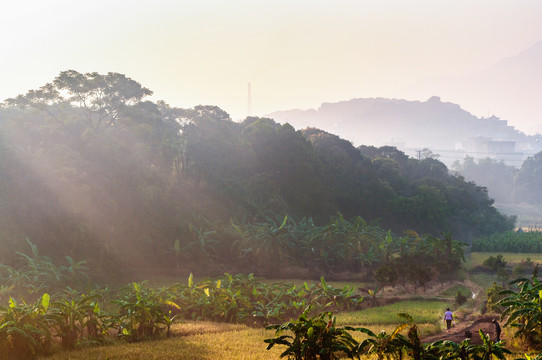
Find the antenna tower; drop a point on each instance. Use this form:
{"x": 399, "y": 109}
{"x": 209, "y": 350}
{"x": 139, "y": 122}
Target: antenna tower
{"x": 249, "y": 104}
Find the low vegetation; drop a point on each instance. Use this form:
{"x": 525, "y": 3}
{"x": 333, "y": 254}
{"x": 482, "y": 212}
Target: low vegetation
{"x": 69, "y": 318}
{"x": 90, "y": 168}
{"x": 136, "y": 312}
{"x": 134, "y": 186}
{"x": 510, "y": 241}
{"x": 318, "y": 337}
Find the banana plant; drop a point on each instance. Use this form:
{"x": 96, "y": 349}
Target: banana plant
{"x": 489, "y": 349}
{"x": 24, "y": 329}
{"x": 315, "y": 337}
{"x": 269, "y": 243}
{"x": 70, "y": 315}
{"x": 142, "y": 311}
{"x": 524, "y": 307}
{"x": 202, "y": 248}
{"x": 75, "y": 270}
{"x": 382, "y": 344}
{"x": 449, "y": 350}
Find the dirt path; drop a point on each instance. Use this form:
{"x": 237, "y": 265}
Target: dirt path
{"x": 466, "y": 323}
{"x": 458, "y": 333}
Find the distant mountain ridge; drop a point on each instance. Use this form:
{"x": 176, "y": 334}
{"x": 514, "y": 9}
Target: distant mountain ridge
{"x": 377, "y": 121}
{"x": 510, "y": 87}
{"x": 406, "y": 124}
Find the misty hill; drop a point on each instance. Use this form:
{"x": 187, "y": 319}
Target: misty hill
{"x": 510, "y": 88}
{"x": 444, "y": 127}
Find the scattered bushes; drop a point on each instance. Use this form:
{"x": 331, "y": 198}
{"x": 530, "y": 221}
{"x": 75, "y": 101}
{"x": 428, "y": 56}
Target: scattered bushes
{"x": 318, "y": 338}
{"x": 495, "y": 263}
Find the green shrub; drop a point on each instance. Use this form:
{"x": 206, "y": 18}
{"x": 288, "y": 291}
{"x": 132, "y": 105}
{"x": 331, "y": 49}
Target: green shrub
{"x": 316, "y": 337}
{"x": 493, "y": 297}
{"x": 495, "y": 263}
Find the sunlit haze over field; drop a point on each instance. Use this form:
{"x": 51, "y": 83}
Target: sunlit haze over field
{"x": 295, "y": 54}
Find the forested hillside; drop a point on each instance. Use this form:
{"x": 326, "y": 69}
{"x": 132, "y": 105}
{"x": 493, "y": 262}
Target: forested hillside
{"x": 433, "y": 123}
{"x": 90, "y": 169}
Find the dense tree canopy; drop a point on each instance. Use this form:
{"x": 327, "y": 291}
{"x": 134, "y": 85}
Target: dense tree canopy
{"x": 90, "y": 169}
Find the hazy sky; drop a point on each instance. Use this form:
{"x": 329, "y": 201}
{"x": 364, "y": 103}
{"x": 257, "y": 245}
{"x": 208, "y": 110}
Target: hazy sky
{"x": 296, "y": 54}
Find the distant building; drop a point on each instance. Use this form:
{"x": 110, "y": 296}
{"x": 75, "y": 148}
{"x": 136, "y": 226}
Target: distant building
{"x": 481, "y": 147}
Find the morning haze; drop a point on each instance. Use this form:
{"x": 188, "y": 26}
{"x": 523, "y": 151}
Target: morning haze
{"x": 296, "y": 54}
{"x": 195, "y": 172}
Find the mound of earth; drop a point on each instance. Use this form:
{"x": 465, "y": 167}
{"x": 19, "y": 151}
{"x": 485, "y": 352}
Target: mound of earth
{"x": 460, "y": 331}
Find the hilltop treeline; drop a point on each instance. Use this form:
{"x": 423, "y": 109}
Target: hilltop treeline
{"x": 90, "y": 169}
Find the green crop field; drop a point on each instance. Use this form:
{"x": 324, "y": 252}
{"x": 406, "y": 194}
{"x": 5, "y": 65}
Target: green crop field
{"x": 421, "y": 311}
{"x": 477, "y": 258}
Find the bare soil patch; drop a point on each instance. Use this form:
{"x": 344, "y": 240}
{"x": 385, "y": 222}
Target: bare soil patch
{"x": 460, "y": 331}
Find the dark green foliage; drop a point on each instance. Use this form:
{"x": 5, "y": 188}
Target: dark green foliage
{"x": 243, "y": 298}
{"x": 142, "y": 312}
{"x": 71, "y": 314}
{"x": 523, "y": 308}
{"x": 495, "y": 263}
{"x": 24, "y": 329}
{"x": 90, "y": 169}
{"x": 344, "y": 245}
{"x": 313, "y": 338}
{"x": 386, "y": 274}
{"x": 494, "y": 295}
{"x": 35, "y": 274}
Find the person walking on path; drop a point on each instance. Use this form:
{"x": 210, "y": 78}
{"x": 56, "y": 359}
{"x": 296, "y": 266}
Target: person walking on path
{"x": 448, "y": 318}
{"x": 497, "y": 331}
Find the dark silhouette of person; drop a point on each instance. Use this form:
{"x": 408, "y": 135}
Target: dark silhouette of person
{"x": 497, "y": 331}
{"x": 448, "y": 317}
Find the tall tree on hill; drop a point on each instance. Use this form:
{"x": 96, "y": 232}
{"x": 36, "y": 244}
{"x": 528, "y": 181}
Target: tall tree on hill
{"x": 100, "y": 98}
